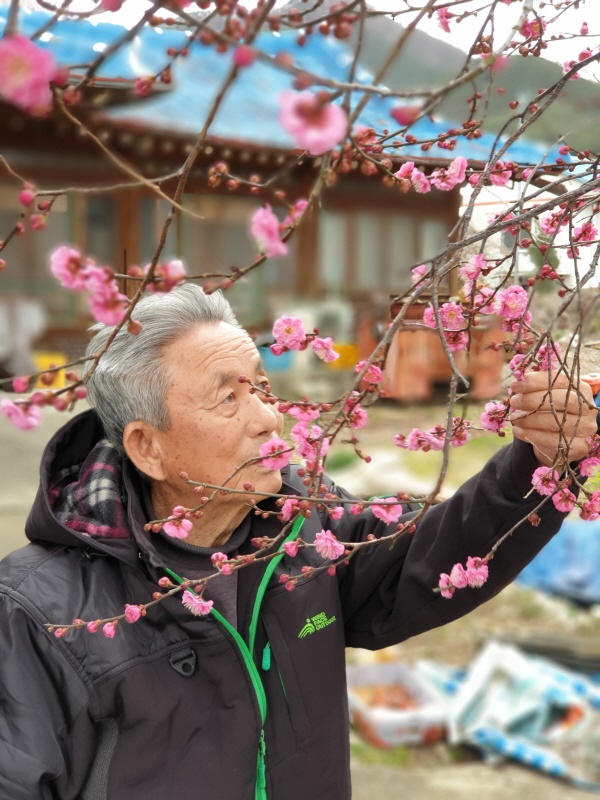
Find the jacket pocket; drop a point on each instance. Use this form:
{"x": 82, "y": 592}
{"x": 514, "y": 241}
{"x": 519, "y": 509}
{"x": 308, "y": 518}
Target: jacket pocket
{"x": 286, "y": 704}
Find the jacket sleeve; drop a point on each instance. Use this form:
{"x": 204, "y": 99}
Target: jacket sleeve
{"x": 387, "y": 592}
{"x": 40, "y": 694}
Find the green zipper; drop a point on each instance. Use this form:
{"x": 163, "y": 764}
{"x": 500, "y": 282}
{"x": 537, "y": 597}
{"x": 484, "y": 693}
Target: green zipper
{"x": 247, "y": 653}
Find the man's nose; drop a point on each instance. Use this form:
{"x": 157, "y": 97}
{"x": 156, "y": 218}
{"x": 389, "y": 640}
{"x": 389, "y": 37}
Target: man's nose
{"x": 264, "y": 417}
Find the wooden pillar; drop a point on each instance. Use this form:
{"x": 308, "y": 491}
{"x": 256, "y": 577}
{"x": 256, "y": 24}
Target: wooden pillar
{"x": 127, "y": 252}
{"x": 306, "y": 282}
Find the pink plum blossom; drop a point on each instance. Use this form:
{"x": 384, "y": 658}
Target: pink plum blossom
{"x": 291, "y": 548}
{"x": 500, "y": 175}
{"x": 408, "y": 175}
{"x": 314, "y": 124}
{"x": 21, "y": 415}
{"x": 417, "y": 273}
{"x": 264, "y": 227}
{"x": 178, "y": 527}
{"x": 303, "y": 413}
{"x": 548, "y": 358}
{"x": 166, "y": 276}
{"x": 447, "y": 178}
{"x": 275, "y": 453}
{"x": 551, "y": 221}
{"x": 419, "y": 440}
{"x": 373, "y": 373}
{"x": 511, "y": 303}
{"x": 327, "y": 546}
{"x": 589, "y": 466}
{"x": 434, "y": 439}
{"x": 443, "y": 19}
{"x": 515, "y": 366}
{"x": 474, "y": 267}
{"x": 196, "y": 604}
{"x": 446, "y": 586}
{"x": 218, "y": 560}
{"x": 458, "y": 576}
{"x": 67, "y": 267}
{"x": 451, "y": 315}
{"x": 289, "y": 332}
{"x": 323, "y": 349}
{"x": 493, "y": 417}
{"x": 419, "y": 182}
{"x": 288, "y": 509}
{"x": 111, "y": 5}
{"x": 295, "y": 212}
{"x": 564, "y": 499}
{"x": 309, "y": 444}
{"x": 477, "y": 572}
{"x": 585, "y": 233}
{"x": 386, "y": 509}
{"x": 532, "y": 28}
{"x": 590, "y": 509}
{"x": 337, "y": 512}
{"x": 456, "y": 340}
{"x": 108, "y": 306}
{"x": 356, "y": 415}
{"x": 26, "y": 72}
{"x": 545, "y": 480}
{"x": 132, "y": 613}
{"x": 460, "y": 433}
{"x": 109, "y": 629}
{"x": 483, "y": 299}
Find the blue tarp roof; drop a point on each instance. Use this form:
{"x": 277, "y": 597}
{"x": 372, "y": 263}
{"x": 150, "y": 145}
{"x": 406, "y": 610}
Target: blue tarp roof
{"x": 250, "y": 110}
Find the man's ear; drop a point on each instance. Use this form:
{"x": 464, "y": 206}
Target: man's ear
{"x": 140, "y": 440}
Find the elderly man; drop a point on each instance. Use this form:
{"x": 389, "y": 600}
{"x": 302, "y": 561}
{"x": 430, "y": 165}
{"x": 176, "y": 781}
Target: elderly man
{"x": 249, "y": 700}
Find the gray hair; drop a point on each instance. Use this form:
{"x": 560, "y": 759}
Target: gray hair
{"x": 131, "y": 380}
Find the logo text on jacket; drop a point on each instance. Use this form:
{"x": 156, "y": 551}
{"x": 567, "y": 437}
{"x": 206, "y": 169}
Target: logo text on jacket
{"x": 316, "y": 623}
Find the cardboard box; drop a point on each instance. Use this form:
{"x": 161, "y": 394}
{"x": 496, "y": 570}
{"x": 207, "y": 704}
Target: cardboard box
{"x": 389, "y": 706}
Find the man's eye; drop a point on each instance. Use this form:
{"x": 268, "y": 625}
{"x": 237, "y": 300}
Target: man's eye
{"x": 230, "y": 398}
{"x": 263, "y": 384}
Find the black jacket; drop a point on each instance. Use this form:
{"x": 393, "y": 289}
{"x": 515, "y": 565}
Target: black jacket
{"x": 183, "y": 706}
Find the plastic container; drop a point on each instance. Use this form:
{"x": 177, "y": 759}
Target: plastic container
{"x": 389, "y": 706}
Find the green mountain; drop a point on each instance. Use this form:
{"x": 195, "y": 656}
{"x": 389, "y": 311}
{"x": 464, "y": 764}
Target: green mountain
{"x": 426, "y": 64}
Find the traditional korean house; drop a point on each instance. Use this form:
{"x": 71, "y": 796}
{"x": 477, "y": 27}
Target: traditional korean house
{"x": 345, "y": 262}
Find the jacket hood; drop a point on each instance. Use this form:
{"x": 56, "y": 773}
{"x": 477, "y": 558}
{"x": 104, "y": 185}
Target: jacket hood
{"x": 64, "y": 483}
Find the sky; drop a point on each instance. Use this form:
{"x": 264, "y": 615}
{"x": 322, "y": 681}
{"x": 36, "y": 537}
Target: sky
{"x": 462, "y": 33}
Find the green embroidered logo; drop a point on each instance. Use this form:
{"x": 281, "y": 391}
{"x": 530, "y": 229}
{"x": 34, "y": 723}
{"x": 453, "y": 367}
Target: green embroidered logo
{"x": 316, "y": 623}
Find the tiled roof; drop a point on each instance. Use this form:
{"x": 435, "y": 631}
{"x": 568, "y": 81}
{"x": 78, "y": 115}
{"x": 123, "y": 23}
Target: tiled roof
{"x": 249, "y": 112}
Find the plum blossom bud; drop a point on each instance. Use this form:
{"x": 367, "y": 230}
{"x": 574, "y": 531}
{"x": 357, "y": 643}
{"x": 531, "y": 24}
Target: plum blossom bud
{"x": 21, "y": 383}
{"x": 109, "y": 629}
{"x": 27, "y": 194}
{"x": 244, "y": 56}
{"x": 132, "y": 613}
{"x": 93, "y": 626}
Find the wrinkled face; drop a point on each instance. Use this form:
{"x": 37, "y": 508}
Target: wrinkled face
{"x": 217, "y": 424}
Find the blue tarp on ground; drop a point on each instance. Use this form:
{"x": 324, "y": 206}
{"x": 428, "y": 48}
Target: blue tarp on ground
{"x": 569, "y": 565}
